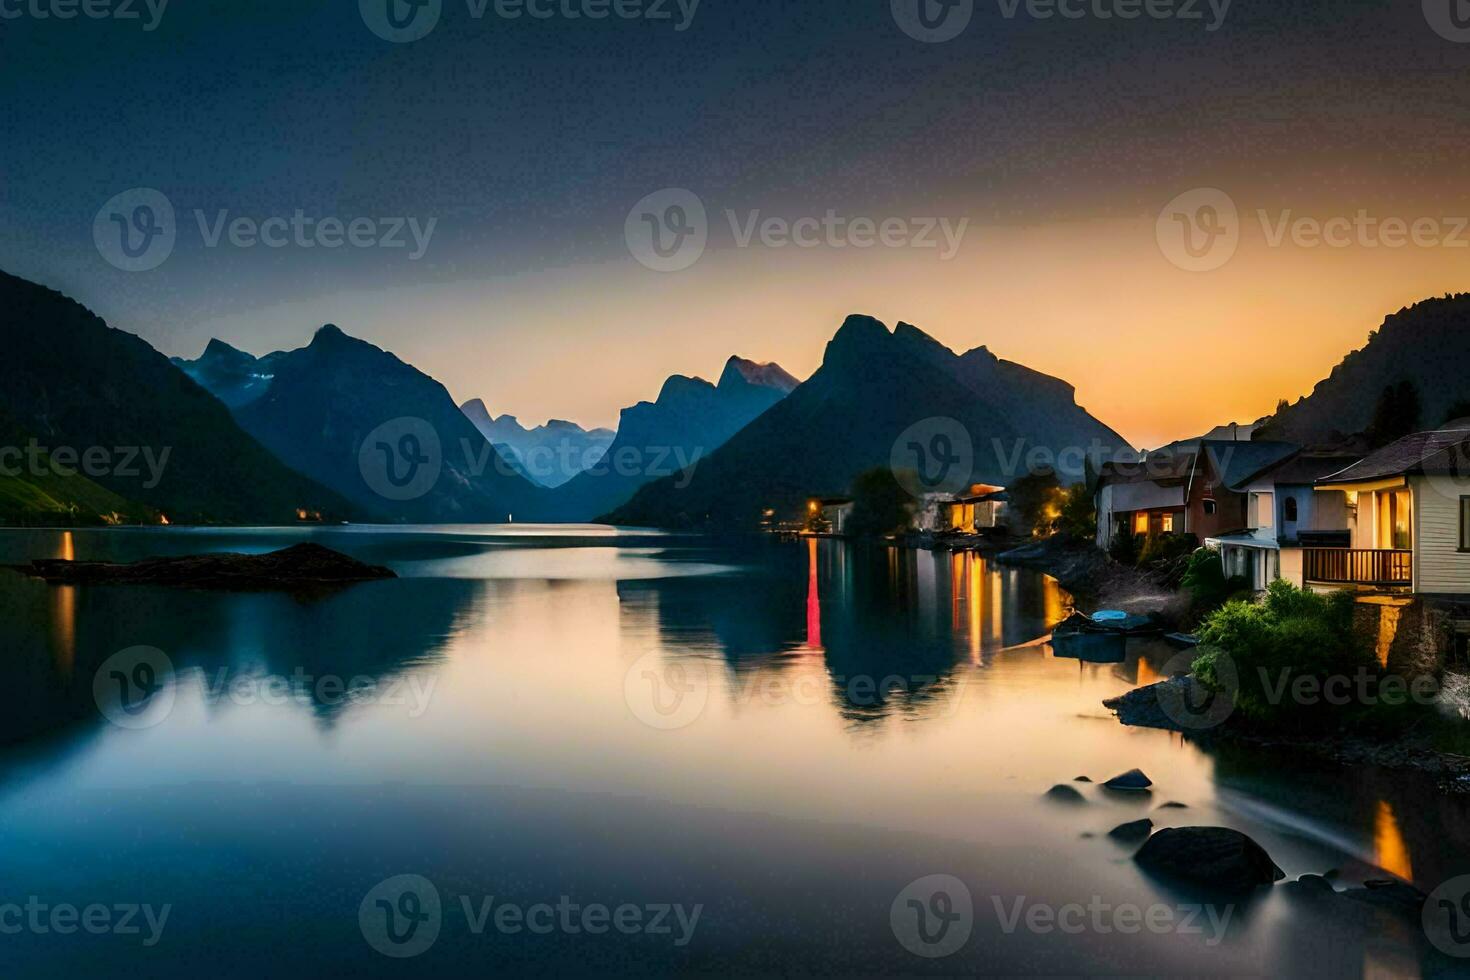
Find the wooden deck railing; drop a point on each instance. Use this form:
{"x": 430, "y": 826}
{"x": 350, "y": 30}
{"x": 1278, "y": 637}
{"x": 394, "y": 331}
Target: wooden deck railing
{"x": 1358, "y": 566}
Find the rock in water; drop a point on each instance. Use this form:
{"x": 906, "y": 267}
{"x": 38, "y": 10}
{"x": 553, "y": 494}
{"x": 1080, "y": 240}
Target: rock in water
{"x": 1213, "y": 857}
{"x": 1392, "y": 896}
{"x": 1081, "y": 779}
{"x": 1062, "y": 793}
{"x": 1133, "y": 779}
{"x": 299, "y": 566}
{"x": 1134, "y": 830}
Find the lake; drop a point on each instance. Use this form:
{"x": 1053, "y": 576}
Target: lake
{"x": 547, "y": 750}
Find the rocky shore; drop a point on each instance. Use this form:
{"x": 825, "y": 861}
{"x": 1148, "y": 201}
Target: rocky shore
{"x": 1143, "y": 707}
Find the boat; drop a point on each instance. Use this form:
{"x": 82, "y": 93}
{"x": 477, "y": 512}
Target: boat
{"x": 1080, "y": 638}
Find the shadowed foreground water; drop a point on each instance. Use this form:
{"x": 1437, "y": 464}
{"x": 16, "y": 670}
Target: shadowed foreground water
{"x": 631, "y": 754}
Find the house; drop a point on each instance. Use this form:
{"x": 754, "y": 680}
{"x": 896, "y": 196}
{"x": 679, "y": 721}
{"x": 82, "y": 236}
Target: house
{"x": 978, "y": 509}
{"x": 828, "y": 514}
{"x": 1408, "y": 507}
{"x": 1285, "y": 513}
{"x": 1188, "y": 488}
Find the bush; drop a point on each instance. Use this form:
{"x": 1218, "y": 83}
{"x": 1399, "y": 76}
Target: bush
{"x": 1124, "y": 548}
{"x": 1287, "y": 634}
{"x": 1166, "y": 547}
{"x": 879, "y": 504}
{"x": 1077, "y": 513}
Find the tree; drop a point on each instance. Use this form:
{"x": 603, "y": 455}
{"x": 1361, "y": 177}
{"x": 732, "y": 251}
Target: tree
{"x": 879, "y": 504}
{"x": 1396, "y": 414}
{"x": 1032, "y": 503}
{"x": 1077, "y": 512}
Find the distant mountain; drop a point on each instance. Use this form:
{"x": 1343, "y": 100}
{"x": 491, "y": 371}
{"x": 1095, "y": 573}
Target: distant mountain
{"x": 1427, "y": 344}
{"x": 139, "y": 428}
{"x": 873, "y": 386}
{"x": 548, "y": 455}
{"x": 355, "y": 417}
{"x": 233, "y": 376}
{"x": 690, "y": 419}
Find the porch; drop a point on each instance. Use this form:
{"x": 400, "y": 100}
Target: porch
{"x": 1373, "y": 567}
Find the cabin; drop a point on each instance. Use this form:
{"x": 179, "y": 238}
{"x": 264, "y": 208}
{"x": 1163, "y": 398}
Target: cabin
{"x": 1184, "y": 489}
{"x": 979, "y": 509}
{"x": 1408, "y": 519}
{"x": 1285, "y": 514}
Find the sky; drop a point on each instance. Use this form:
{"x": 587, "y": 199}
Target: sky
{"x": 1033, "y": 178}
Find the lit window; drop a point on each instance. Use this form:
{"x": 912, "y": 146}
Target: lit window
{"x": 1140, "y": 523}
{"x": 1168, "y": 523}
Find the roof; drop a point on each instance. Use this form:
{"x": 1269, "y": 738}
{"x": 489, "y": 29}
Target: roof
{"x": 1305, "y": 468}
{"x": 976, "y": 498}
{"x": 1440, "y": 452}
{"x": 1238, "y": 462}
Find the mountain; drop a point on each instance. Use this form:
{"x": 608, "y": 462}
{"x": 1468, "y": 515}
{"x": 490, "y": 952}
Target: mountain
{"x": 137, "y": 425}
{"x": 233, "y": 376}
{"x": 690, "y": 419}
{"x": 874, "y": 386}
{"x": 1427, "y": 345}
{"x": 384, "y": 435}
{"x": 548, "y": 455}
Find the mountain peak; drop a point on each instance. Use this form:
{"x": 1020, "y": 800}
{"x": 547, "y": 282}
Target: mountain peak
{"x": 769, "y": 374}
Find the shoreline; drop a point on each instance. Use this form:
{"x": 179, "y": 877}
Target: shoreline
{"x": 1140, "y": 708}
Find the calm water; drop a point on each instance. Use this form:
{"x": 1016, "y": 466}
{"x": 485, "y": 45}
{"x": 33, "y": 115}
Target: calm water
{"x": 784, "y": 736}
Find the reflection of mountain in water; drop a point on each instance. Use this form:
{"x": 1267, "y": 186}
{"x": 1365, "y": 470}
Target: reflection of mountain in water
{"x": 889, "y": 624}
{"x": 56, "y": 638}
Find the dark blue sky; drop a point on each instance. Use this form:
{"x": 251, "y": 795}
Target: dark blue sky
{"x": 528, "y": 140}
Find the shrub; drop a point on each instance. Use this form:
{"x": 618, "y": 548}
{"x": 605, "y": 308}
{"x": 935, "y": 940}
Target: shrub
{"x": 1287, "y": 634}
{"x": 1124, "y": 548}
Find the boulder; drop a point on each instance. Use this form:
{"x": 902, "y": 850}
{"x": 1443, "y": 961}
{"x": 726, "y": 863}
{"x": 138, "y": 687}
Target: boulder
{"x": 1392, "y": 896}
{"x": 1212, "y": 857}
{"x": 1173, "y": 805}
{"x": 1132, "y": 781}
{"x": 1081, "y": 779}
{"x": 1062, "y": 793}
{"x": 1132, "y": 831}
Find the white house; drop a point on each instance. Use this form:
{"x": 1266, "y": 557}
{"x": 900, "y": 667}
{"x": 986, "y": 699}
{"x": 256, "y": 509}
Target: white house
{"x": 1408, "y": 507}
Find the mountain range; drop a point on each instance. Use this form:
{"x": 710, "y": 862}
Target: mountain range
{"x": 1426, "y": 345}
{"x": 690, "y": 419}
{"x": 107, "y": 406}
{"x": 874, "y": 386}
{"x": 548, "y": 455}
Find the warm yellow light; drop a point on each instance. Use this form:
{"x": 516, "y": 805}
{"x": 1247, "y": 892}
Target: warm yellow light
{"x": 812, "y": 506}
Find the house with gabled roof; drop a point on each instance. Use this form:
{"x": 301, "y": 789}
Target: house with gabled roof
{"x": 1408, "y": 518}
{"x": 1189, "y": 488}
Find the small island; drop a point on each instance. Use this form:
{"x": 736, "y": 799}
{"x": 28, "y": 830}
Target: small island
{"x": 299, "y": 566}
